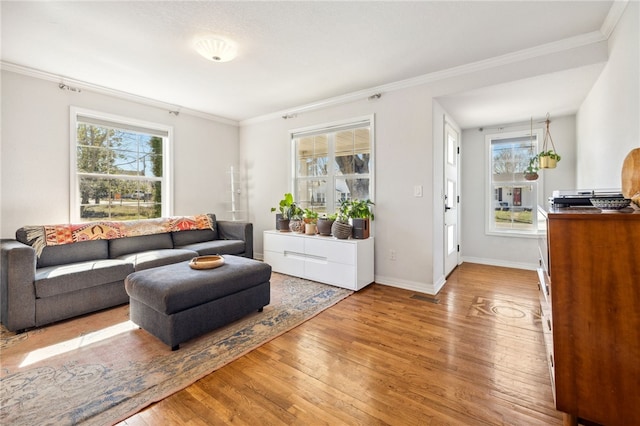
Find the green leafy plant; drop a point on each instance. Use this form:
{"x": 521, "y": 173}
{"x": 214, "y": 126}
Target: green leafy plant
{"x": 287, "y": 207}
{"x": 533, "y": 166}
{"x": 310, "y": 216}
{"x": 355, "y": 209}
{"x": 551, "y": 154}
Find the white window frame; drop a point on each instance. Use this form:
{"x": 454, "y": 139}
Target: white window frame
{"x": 127, "y": 123}
{"x": 362, "y": 121}
{"x": 538, "y": 184}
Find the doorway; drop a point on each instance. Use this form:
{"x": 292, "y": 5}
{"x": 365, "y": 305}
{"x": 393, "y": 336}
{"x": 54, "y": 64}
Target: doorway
{"x": 451, "y": 197}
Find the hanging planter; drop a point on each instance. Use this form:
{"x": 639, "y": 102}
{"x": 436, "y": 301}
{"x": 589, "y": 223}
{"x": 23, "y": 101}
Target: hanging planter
{"x": 548, "y": 158}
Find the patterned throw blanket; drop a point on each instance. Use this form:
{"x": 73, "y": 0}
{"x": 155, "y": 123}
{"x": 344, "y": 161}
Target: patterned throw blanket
{"x": 40, "y": 237}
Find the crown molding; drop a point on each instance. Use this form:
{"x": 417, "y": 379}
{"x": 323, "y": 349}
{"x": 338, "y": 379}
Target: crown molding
{"x": 614, "y": 15}
{"x": 509, "y": 58}
{"x": 83, "y": 85}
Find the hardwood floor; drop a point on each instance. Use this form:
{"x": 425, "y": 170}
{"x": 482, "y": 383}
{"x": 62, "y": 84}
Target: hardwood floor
{"x": 473, "y": 356}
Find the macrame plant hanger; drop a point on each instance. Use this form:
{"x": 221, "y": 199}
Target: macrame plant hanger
{"x": 548, "y": 158}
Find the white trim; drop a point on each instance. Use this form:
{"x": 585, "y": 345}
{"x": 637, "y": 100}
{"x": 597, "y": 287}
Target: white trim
{"x": 488, "y": 193}
{"x": 509, "y": 58}
{"x": 614, "y": 15}
{"x": 502, "y": 263}
{"x": 59, "y": 79}
{"x": 428, "y": 288}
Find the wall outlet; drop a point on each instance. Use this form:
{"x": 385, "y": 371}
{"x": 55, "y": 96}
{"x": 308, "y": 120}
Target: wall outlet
{"x": 392, "y": 255}
{"x": 417, "y": 191}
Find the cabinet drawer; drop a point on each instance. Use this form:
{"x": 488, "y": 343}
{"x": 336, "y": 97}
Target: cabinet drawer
{"x": 331, "y": 250}
{"x": 285, "y": 264}
{"x": 331, "y": 273}
{"x": 281, "y": 243}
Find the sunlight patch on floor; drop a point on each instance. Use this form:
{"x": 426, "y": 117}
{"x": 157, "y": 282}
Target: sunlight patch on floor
{"x": 76, "y": 343}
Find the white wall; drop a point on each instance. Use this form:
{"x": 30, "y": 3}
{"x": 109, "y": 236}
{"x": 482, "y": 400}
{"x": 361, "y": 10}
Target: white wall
{"x": 35, "y": 152}
{"x": 403, "y": 159}
{"x": 510, "y": 251}
{"x": 608, "y": 122}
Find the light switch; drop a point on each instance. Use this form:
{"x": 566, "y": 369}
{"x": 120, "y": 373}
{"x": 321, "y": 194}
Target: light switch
{"x": 417, "y": 191}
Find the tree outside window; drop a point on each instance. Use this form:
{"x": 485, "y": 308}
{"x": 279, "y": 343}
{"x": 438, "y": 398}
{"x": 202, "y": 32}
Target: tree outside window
{"x": 332, "y": 165}
{"x": 119, "y": 170}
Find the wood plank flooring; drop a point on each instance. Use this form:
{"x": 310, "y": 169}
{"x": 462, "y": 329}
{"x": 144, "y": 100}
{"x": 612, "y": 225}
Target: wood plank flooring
{"x": 474, "y": 355}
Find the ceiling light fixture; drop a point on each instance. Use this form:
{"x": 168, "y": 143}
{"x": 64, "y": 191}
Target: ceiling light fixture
{"x": 216, "y": 49}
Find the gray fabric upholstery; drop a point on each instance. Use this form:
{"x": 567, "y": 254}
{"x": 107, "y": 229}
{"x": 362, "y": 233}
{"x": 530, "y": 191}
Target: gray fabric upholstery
{"x": 122, "y": 246}
{"x": 217, "y": 247}
{"x": 55, "y": 280}
{"x": 68, "y": 253}
{"x": 17, "y": 292}
{"x": 228, "y": 230}
{"x": 74, "y": 279}
{"x": 190, "y": 323}
{"x": 155, "y": 258}
{"x": 177, "y": 287}
{"x": 176, "y": 303}
{"x": 69, "y": 305}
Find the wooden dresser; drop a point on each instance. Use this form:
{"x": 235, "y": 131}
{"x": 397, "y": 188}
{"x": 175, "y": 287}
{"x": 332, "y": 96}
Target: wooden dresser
{"x": 594, "y": 288}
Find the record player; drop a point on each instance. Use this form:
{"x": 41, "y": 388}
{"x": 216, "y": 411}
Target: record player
{"x": 582, "y": 197}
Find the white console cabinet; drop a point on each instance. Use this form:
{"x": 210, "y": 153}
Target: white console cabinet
{"x": 343, "y": 263}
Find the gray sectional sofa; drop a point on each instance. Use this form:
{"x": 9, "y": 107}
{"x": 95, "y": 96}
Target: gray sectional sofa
{"x": 74, "y": 279}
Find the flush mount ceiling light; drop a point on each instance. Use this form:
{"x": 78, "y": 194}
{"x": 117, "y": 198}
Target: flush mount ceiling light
{"x": 216, "y": 49}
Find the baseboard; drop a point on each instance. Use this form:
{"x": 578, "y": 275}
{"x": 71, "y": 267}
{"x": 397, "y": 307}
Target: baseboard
{"x": 427, "y": 288}
{"x": 503, "y": 263}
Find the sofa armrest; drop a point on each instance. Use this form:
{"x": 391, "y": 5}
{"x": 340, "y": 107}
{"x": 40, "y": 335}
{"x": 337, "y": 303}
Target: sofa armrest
{"x": 231, "y": 230}
{"x": 17, "y": 289}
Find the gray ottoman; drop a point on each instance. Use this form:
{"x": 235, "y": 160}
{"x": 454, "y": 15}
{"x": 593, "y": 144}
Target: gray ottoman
{"x": 176, "y": 303}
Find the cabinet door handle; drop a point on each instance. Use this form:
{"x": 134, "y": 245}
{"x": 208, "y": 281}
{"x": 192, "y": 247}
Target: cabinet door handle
{"x": 549, "y": 324}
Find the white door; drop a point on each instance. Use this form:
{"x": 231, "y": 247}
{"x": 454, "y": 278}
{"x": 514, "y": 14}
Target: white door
{"x": 451, "y": 197}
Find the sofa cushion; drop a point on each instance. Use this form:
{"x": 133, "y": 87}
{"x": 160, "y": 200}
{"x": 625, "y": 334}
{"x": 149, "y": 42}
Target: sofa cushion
{"x": 121, "y": 246}
{"x": 68, "y": 253}
{"x": 217, "y": 247}
{"x": 54, "y": 280}
{"x": 183, "y": 238}
{"x": 154, "y": 258}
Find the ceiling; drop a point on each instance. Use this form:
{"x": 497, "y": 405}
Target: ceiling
{"x": 295, "y": 53}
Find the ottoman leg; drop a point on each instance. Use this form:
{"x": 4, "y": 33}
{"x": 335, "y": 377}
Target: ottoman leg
{"x": 175, "y": 347}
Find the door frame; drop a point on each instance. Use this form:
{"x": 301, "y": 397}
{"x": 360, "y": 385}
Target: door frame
{"x": 450, "y": 262}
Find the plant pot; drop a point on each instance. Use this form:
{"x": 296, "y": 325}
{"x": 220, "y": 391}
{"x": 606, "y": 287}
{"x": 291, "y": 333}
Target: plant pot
{"x": 296, "y": 225}
{"x": 360, "y": 228}
{"x": 310, "y": 228}
{"x": 283, "y": 225}
{"x": 531, "y": 176}
{"x": 341, "y": 230}
{"x": 548, "y": 162}
{"x": 324, "y": 226}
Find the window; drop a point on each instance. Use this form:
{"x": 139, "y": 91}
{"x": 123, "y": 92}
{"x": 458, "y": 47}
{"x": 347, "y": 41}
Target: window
{"x": 119, "y": 167}
{"x": 333, "y": 163}
{"x": 513, "y": 200}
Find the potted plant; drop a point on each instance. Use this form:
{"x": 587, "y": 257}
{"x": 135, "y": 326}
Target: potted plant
{"x": 324, "y": 224}
{"x": 548, "y": 159}
{"x": 296, "y": 222}
{"x": 286, "y": 208}
{"x": 360, "y": 215}
{"x": 341, "y": 228}
{"x": 531, "y": 172}
{"x": 310, "y": 221}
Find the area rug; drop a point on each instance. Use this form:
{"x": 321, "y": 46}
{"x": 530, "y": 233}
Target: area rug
{"x": 100, "y": 369}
